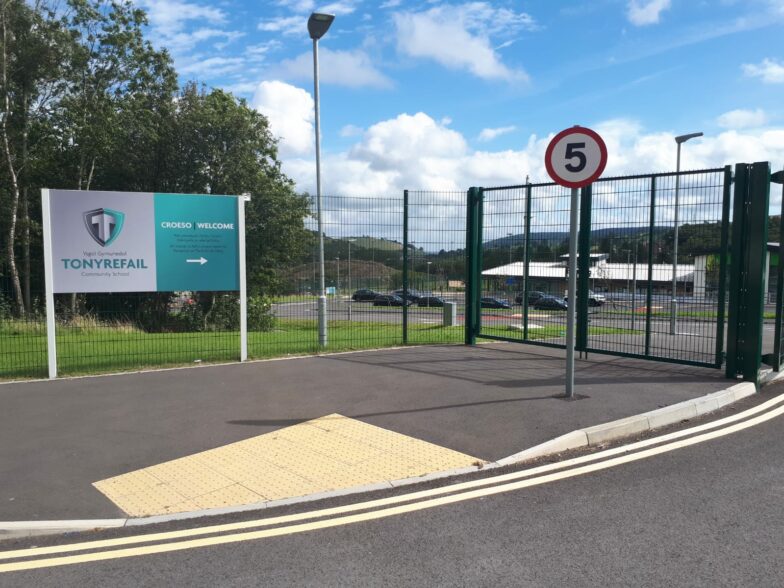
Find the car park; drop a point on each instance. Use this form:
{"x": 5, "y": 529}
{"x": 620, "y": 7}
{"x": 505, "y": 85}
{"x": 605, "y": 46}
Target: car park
{"x": 532, "y": 297}
{"x": 494, "y": 303}
{"x": 389, "y": 300}
{"x": 430, "y": 301}
{"x": 364, "y": 295}
{"x": 550, "y": 303}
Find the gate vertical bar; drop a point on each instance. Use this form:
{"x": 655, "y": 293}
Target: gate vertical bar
{"x": 583, "y": 267}
{"x": 526, "y": 259}
{"x": 649, "y": 290}
{"x": 756, "y": 258}
{"x": 723, "y": 259}
{"x": 480, "y": 223}
{"x": 736, "y": 269}
{"x": 405, "y": 267}
{"x": 472, "y": 267}
{"x": 779, "y": 177}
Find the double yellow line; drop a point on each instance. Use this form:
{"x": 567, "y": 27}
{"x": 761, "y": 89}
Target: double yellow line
{"x": 154, "y": 543}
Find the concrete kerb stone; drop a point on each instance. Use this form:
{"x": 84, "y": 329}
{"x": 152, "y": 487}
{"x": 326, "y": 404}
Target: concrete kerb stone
{"x": 573, "y": 440}
{"x": 647, "y": 421}
{"x": 15, "y": 529}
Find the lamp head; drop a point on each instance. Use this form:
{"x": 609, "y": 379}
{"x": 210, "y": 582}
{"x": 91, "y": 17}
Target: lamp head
{"x": 683, "y": 138}
{"x": 318, "y": 24}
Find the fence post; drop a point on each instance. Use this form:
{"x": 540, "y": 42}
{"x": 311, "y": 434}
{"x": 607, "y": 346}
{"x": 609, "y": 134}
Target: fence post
{"x": 736, "y": 265}
{"x": 649, "y": 291}
{"x": 526, "y": 259}
{"x": 747, "y": 270}
{"x": 756, "y": 258}
{"x": 583, "y": 268}
{"x": 405, "y": 267}
{"x": 473, "y": 264}
{"x": 778, "y": 178}
{"x": 723, "y": 261}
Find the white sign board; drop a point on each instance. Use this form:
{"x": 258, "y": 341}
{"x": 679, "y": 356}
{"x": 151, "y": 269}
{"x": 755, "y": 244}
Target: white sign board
{"x": 576, "y": 157}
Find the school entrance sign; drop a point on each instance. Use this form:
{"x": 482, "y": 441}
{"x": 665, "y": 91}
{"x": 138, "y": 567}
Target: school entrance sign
{"x": 116, "y": 242}
{"x": 143, "y": 242}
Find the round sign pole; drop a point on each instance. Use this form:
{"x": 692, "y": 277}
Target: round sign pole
{"x": 572, "y": 296}
{"x": 574, "y": 158}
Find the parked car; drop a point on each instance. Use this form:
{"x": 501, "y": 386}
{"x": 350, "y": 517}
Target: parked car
{"x": 550, "y": 303}
{"x": 364, "y": 295}
{"x": 594, "y": 299}
{"x": 430, "y": 301}
{"x": 412, "y": 295}
{"x": 494, "y": 303}
{"x": 532, "y": 297}
{"x": 389, "y": 300}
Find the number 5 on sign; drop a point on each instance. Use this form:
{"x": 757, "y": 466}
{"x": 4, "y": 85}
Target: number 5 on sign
{"x": 576, "y": 157}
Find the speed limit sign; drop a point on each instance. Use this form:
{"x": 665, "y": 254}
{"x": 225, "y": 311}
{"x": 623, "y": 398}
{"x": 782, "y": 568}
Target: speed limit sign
{"x": 576, "y": 157}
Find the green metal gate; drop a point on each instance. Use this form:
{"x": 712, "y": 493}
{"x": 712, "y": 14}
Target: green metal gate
{"x": 517, "y": 242}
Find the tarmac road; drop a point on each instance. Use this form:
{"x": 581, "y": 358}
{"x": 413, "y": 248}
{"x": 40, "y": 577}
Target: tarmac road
{"x": 704, "y": 515}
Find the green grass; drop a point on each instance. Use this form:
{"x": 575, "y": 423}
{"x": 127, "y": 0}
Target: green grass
{"x": 106, "y": 349}
{"x": 91, "y": 348}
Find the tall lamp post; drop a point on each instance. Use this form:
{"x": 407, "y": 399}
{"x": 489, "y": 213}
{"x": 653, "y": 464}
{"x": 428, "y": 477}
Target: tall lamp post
{"x": 318, "y": 25}
{"x": 680, "y": 140}
{"x": 428, "y": 276}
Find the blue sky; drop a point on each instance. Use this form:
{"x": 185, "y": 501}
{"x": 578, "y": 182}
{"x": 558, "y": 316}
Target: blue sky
{"x": 424, "y": 94}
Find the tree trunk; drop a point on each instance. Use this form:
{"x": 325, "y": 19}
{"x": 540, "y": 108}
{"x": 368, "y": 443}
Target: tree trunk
{"x": 14, "y": 208}
{"x": 28, "y": 299}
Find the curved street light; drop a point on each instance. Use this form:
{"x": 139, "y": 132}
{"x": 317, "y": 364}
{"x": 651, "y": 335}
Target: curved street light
{"x": 318, "y": 25}
{"x": 680, "y": 140}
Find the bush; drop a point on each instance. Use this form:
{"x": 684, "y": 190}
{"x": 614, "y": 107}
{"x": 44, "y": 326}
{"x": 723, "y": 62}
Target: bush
{"x": 260, "y": 315}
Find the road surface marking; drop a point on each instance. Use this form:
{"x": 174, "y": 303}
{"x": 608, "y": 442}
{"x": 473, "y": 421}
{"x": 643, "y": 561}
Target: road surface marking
{"x": 378, "y": 514}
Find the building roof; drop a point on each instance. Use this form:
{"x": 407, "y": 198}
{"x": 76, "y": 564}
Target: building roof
{"x": 607, "y": 271}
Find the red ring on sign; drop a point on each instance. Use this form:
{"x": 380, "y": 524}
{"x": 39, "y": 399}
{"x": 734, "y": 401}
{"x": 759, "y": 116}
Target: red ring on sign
{"x": 571, "y": 131}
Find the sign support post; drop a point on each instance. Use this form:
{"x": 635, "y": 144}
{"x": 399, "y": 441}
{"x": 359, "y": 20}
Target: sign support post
{"x": 243, "y": 282}
{"x": 51, "y": 332}
{"x": 574, "y": 158}
{"x": 572, "y": 295}
{"x": 118, "y": 242}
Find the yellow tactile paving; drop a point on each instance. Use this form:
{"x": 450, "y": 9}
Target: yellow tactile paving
{"x": 329, "y": 453}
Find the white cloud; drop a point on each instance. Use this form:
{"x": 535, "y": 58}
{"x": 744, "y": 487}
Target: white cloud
{"x": 353, "y": 69}
{"x": 170, "y": 20}
{"x": 351, "y": 131}
{"x": 769, "y": 71}
{"x": 490, "y": 134}
{"x": 297, "y": 5}
{"x": 286, "y": 25}
{"x": 290, "y": 113}
{"x": 213, "y": 66}
{"x": 458, "y": 37}
{"x": 742, "y": 119}
{"x": 417, "y": 152}
{"x": 646, "y": 12}
{"x": 170, "y": 15}
{"x": 339, "y": 8}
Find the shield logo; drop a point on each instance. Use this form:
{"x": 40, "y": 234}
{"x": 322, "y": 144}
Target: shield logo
{"x": 104, "y": 224}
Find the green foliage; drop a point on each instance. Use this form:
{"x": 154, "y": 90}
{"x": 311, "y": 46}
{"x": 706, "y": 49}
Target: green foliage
{"x": 93, "y": 105}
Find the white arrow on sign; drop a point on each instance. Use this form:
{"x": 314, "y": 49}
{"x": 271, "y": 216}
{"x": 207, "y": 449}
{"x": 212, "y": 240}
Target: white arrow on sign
{"x": 200, "y": 261}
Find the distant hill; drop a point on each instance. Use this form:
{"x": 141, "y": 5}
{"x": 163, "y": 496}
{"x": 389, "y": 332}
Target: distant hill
{"x": 555, "y": 237}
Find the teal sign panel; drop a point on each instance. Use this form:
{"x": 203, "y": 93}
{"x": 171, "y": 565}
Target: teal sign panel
{"x": 196, "y": 243}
